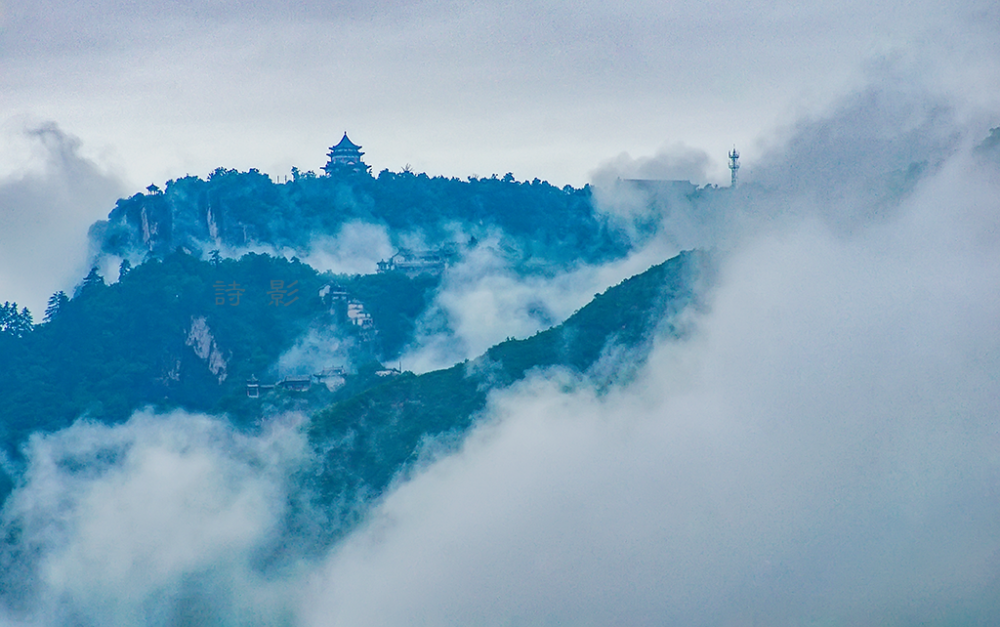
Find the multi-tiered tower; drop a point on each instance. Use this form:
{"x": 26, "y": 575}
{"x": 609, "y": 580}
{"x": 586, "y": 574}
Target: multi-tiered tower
{"x": 346, "y": 155}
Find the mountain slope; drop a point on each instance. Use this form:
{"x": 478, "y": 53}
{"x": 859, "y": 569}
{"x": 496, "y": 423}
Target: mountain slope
{"x": 365, "y": 441}
{"x": 186, "y": 333}
{"x": 165, "y": 336}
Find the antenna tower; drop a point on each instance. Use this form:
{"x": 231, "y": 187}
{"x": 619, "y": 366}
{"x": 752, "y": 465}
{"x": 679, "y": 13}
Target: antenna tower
{"x": 734, "y": 165}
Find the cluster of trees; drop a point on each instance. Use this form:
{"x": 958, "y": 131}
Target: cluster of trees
{"x": 14, "y": 323}
{"x": 395, "y": 302}
{"x": 112, "y": 349}
{"x": 236, "y": 209}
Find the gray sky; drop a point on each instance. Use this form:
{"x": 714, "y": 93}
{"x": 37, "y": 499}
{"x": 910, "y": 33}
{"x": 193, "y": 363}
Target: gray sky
{"x": 147, "y": 91}
{"x": 156, "y": 90}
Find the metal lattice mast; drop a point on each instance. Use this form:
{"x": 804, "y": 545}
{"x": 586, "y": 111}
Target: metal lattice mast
{"x": 734, "y": 165}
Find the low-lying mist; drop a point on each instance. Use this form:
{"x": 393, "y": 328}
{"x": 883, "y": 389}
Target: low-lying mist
{"x": 164, "y": 520}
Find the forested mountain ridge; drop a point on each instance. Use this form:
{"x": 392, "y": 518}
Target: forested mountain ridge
{"x": 171, "y": 334}
{"x": 241, "y": 210}
{"x": 195, "y": 322}
{"x": 368, "y": 439}
{"x": 182, "y": 332}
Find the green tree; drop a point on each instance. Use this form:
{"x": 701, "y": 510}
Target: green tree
{"x": 92, "y": 279}
{"x": 90, "y": 285}
{"x": 56, "y": 304}
{"x": 13, "y": 322}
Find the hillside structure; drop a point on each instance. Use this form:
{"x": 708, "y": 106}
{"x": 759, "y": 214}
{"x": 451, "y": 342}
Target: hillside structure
{"x": 416, "y": 262}
{"x": 345, "y": 156}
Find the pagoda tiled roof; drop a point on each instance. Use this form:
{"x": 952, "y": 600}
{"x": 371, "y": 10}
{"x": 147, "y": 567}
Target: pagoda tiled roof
{"x": 346, "y": 143}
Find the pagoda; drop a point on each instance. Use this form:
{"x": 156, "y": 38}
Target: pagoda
{"x": 345, "y": 156}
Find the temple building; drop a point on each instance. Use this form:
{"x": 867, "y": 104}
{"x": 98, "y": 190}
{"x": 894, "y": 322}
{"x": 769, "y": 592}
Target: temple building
{"x": 345, "y": 156}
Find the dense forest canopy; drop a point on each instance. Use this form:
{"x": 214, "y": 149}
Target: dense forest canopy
{"x": 186, "y": 333}
{"x": 114, "y": 348}
{"x": 243, "y": 209}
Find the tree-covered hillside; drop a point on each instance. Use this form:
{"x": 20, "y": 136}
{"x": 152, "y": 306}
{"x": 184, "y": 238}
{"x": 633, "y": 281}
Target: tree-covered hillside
{"x": 366, "y": 440}
{"x": 192, "y": 323}
{"x": 243, "y": 209}
{"x": 181, "y": 332}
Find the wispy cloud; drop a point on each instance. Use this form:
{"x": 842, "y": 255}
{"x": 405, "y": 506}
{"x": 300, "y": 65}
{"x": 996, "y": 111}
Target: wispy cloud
{"x": 356, "y": 249}
{"x": 49, "y": 194}
{"x": 486, "y": 298}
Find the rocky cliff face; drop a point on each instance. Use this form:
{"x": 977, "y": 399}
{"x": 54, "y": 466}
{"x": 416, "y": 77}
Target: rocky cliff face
{"x": 230, "y": 208}
{"x": 200, "y": 339}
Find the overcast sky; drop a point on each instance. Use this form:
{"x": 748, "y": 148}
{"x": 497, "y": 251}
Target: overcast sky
{"x": 146, "y": 91}
{"x": 158, "y": 89}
